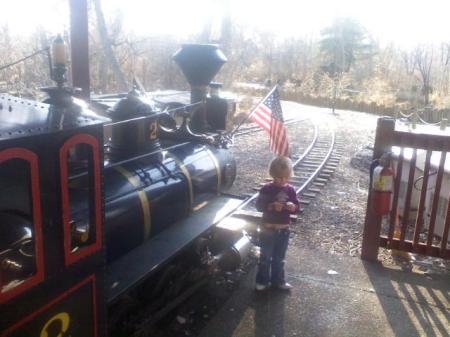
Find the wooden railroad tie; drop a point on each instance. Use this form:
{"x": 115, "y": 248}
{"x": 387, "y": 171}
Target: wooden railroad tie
{"x": 315, "y": 190}
{"x": 307, "y": 169}
{"x": 312, "y": 162}
{"x": 308, "y": 165}
{"x": 333, "y": 167}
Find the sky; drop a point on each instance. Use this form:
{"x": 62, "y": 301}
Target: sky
{"x": 405, "y": 22}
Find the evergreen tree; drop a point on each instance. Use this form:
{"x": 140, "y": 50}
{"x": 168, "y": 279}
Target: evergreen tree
{"x": 341, "y": 45}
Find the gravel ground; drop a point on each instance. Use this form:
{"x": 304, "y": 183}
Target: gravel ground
{"x": 334, "y": 220}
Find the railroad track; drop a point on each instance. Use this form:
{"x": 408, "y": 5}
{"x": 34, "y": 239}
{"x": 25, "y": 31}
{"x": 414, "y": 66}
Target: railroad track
{"x": 313, "y": 167}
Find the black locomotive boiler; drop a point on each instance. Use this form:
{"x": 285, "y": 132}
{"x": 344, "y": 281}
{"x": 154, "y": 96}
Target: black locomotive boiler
{"x": 96, "y": 205}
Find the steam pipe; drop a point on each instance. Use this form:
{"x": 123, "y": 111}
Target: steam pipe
{"x": 231, "y": 258}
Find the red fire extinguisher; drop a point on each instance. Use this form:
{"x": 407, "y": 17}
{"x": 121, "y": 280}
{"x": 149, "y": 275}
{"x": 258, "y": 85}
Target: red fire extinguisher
{"x": 382, "y": 185}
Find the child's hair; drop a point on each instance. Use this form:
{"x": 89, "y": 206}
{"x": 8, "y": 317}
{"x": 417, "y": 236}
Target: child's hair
{"x": 280, "y": 167}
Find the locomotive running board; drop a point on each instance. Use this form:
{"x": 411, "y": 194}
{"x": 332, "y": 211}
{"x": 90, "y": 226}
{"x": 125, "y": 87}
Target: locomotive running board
{"x": 126, "y": 272}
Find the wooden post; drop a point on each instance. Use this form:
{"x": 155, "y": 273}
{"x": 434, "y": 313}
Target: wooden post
{"x": 396, "y": 112}
{"x": 372, "y": 224}
{"x": 79, "y": 46}
{"x": 414, "y": 119}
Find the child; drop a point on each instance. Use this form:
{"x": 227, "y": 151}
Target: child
{"x": 277, "y": 200}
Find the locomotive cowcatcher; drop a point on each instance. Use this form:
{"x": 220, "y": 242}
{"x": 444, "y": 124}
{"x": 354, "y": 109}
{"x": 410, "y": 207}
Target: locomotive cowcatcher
{"x": 108, "y": 203}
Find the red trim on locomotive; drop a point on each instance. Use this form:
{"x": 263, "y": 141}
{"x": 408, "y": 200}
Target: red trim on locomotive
{"x": 90, "y": 278}
{"x": 32, "y": 159}
{"x": 69, "y": 256}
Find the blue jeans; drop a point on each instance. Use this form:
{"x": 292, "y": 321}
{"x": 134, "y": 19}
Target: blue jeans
{"x": 273, "y": 243}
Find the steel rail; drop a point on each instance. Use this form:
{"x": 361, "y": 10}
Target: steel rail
{"x": 319, "y": 168}
{"x": 310, "y": 146}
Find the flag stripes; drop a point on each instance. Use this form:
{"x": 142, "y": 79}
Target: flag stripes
{"x": 278, "y": 138}
{"x": 262, "y": 117}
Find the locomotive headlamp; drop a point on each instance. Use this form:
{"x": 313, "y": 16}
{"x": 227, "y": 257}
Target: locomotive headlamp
{"x": 59, "y": 61}
{"x": 59, "y": 51}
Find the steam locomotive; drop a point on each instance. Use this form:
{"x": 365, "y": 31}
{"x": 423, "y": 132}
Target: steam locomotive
{"x": 97, "y": 201}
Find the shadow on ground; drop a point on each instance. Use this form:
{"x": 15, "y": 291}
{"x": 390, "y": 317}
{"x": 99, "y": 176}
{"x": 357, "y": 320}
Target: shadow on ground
{"x": 338, "y": 296}
{"x": 423, "y": 305}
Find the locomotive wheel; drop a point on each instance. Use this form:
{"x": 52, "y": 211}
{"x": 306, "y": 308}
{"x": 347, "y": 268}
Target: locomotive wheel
{"x": 119, "y": 312}
{"x": 165, "y": 282}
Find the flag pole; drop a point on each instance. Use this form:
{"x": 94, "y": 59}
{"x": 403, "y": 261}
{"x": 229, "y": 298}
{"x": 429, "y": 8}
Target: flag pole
{"x": 254, "y": 109}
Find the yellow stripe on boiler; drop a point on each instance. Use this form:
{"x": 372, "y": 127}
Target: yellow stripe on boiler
{"x": 188, "y": 177}
{"x": 145, "y": 204}
{"x": 217, "y": 165}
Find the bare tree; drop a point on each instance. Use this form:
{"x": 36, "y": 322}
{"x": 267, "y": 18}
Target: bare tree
{"x": 444, "y": 67}
{"x": 409, "y": 61}
{"x": 423, "y": 57}
{"x": 226, "y": 27}
{"x": 107, "y": 47}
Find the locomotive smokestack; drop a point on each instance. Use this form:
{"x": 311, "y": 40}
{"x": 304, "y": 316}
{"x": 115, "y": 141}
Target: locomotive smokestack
{"x": 199, "y": 63}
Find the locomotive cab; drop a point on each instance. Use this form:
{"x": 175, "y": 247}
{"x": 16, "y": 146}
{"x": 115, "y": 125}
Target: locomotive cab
{"x": 43, "y": 267}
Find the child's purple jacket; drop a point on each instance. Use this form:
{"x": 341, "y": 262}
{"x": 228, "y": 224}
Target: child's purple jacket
{"x": 270, "y": 193}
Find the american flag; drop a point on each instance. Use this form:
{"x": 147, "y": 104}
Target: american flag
{"x": 269, "y": 116}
